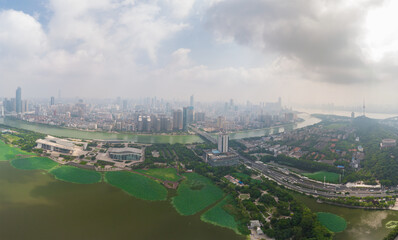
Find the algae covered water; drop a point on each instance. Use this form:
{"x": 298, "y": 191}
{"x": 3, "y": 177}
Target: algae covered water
{"x": 361, "y": 224}
{"x": 35, "y": 205}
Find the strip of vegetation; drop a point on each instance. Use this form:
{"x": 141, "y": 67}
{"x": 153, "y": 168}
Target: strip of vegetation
{"x": 34, "y": 163}
{"x": 76, "y": 175}
{"x": 195, "y": 194}
{"x": 367, "y": 202}
{"x": 8, "y": 152}
{"x": 219, "y": 215}
{"x": 165, "y": 174}
{"x": 137, "y": 185}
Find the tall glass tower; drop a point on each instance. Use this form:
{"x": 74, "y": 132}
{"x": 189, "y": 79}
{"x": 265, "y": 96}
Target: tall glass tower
{"x": 18, "y": 101}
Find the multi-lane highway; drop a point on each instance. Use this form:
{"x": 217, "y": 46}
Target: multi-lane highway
{"x": 297, "y": 182}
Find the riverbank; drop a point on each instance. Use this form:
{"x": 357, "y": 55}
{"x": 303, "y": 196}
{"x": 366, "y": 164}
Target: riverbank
{"x": 145, "y": 138}
{"x": 78, "y": 134}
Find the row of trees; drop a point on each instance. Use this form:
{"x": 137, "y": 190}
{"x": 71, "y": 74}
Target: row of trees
{"x": 368, "y": 202}
{"x": 302, "y": 164}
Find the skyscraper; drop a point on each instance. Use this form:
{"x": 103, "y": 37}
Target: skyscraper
{"x": 18, "y": 101}
{"x": 2, "y": 110}
{"x": 223, "y": 139}
{"x": 191, "y": 103}
{"x": 52, "y": 101}
{"x": 188, "y": 117}
{"x": 177, "y": 120}
{"x": 185, "y": 118}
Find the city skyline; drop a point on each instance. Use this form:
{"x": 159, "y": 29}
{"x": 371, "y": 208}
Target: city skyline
{"x": 197, "y": 48}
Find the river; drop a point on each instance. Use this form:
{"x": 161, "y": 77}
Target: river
{"x": 34, "y": 205}
{"x": 308, "y": 121}
{"x": 75, "y": 133}
{"x": 141, "y": 138}
{"x": 347, "y": 113}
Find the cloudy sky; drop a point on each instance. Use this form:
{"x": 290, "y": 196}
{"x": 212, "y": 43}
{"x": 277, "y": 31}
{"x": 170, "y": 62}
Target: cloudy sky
{"x": 306, "y": 51}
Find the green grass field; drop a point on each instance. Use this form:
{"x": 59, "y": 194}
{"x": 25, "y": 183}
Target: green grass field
{"x": 241, "y": 176}
{"x": 165, "y": 174}
{"x": 34, "y": 163}
{"x": 332, "y": 222}
{"x": 218, "y": 216}
{"x": 137, "y": 185}
{"x": 76, "y": 175}
{"x": 195, "y": 194}
{"x": 11, "y": 138}
{"x": 8, "y": 152}
{"x": 330, "y": 176}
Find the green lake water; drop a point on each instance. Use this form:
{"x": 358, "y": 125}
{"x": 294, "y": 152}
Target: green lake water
{"x": 361, "y": 224}
{"x": 34, "y": 205}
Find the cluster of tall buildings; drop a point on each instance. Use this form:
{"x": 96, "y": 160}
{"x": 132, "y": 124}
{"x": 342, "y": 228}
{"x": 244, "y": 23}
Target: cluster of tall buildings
{"x": 154, "y": 124}
{"x": 16, "y": 105}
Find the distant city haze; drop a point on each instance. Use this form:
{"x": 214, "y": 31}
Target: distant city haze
{"x": 306, "y": 52}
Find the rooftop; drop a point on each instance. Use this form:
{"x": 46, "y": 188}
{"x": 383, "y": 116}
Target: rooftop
{"x": 125, "y": 150}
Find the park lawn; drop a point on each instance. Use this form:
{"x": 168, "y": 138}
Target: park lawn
{"x": 218, "y": 216}
{"x": 330, "y": 176}
{"x": 332, "y": 222}
{"x": 137, "y": 185}
{"x": 241, "y": 176}
{"x": 11, "y": 138}
{"x": 34, "y": 163}
{"x": 8, "y": 152}
{"x": 195, "y": 194}
{"x": 76, "y": 175}
{"x": 165, "y": 174}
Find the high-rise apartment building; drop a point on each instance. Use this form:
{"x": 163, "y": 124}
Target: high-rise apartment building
{"x": 223, "y": 139}
{"x": 18, "y": 100}
{"x": 177, "y": 120}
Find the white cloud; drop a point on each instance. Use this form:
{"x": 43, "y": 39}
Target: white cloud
{"x": 109, "y": 48}
{"x": 20, "y": 35}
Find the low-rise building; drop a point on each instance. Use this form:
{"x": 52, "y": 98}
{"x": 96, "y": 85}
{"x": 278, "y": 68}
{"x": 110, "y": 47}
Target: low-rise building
{"x": 59, "y": 145}
{"x": 215, "y": 158}
{"x": 125, "y": 154}
{"x": 385, "y": 143}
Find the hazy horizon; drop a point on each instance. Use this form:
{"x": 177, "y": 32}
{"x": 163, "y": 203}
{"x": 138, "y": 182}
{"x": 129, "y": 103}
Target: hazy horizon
{"x": 323, "y": 52}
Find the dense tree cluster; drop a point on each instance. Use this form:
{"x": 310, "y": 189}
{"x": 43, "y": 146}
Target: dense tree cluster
{"x": 392, "y": 235}
{"x": 379, "y": 164}
{"x": 26, "y": 139}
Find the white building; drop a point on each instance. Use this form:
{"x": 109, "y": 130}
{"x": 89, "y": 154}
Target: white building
{"x": 61, "y": 145}
{"x": 125, "y": 154}
{"x": 223, "y": 139}
{"x": 385, "y": 143}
